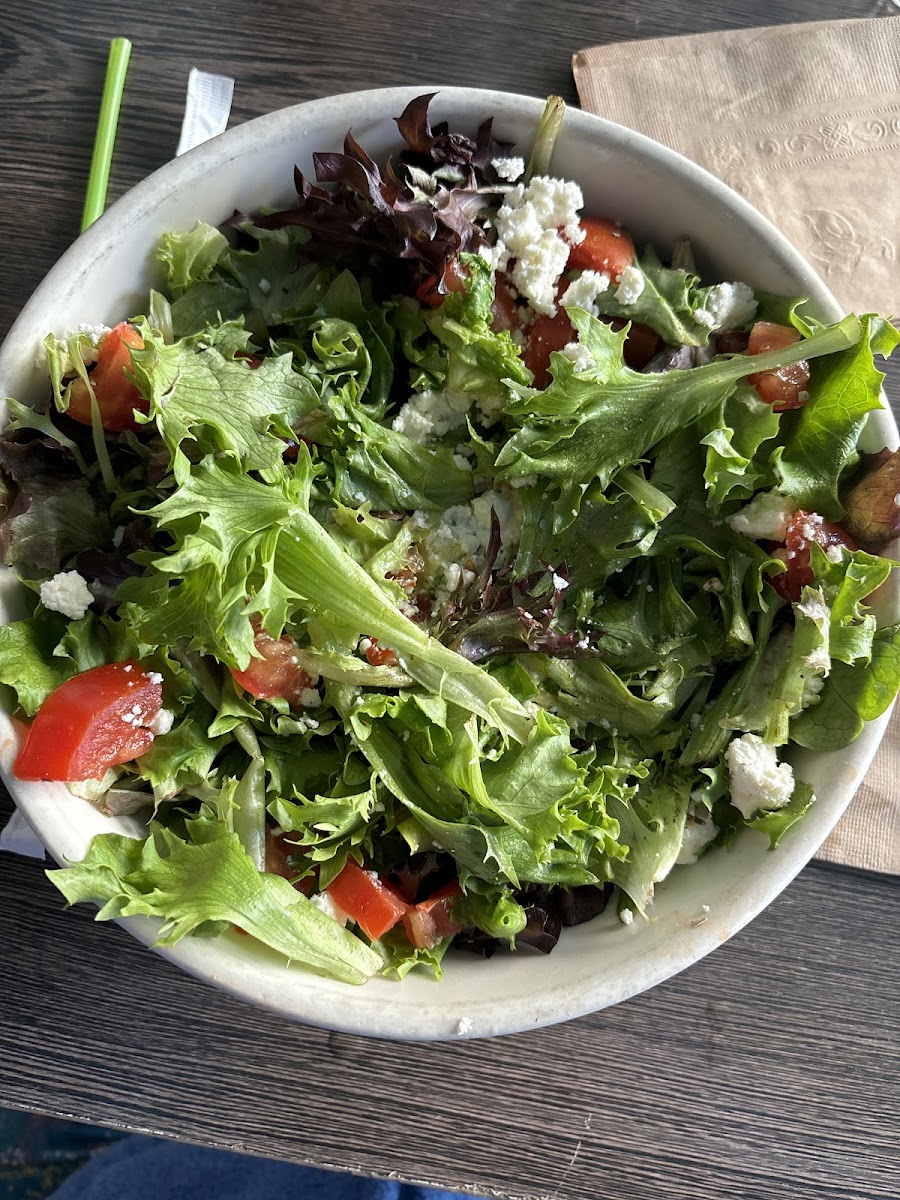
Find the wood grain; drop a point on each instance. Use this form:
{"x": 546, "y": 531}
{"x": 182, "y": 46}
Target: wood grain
{"x": 768, "y": 1071}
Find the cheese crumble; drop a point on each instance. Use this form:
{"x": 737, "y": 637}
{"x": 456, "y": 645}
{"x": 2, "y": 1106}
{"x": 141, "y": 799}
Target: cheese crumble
{"x": 67, "y": 593}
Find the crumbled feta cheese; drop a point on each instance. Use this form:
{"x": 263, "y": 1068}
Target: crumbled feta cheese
{"x": 813, "y": 684}
{"x": 509, "y": 169}
{"x": 704, "y": 317}
{"x": 264, "y": 286}
{"x": 525, "y": 481}
{"x": 462, "y": 462}
{"x": 626, "y": 916}
{"x": 767, "y": 516}
{"x": 309, "y": 698}
{"x": 559, "y": 583}
{"x": 808, "y": 528}
{"x": 67, "y": 593}
{"x": 365, "y": 644}
{"x": 758, "y": 779}
{"x": 631, "y": 285}
{"x": 154, "y": 677}
{"x": 162, "y": 722}
{"x": 431, "y": 415}
{"x": 579, "y": 355}
{"x": 583, "y": 291}
{"x": 714, "y": 584}
{"x": 528, "y": 231}
{"x": 94, "y": 332}
{"x": 460, "y": 540}
{"x": 699, "y": 831}
{"x": 730, "y": 305}
{"x": 464, "y": 1025}
{"x": 325, "y": 904}
{"x": 834, "y": 553}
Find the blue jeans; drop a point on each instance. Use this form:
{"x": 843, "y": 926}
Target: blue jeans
{"x": 143, "y": 1168}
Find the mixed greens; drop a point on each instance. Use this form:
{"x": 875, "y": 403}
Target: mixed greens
{"x": 510, "y": 649}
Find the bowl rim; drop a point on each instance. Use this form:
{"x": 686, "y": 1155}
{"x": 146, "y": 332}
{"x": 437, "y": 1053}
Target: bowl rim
{"x": 437, "y": 1023}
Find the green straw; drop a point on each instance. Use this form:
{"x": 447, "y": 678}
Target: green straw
{"x": 105, "y": 138}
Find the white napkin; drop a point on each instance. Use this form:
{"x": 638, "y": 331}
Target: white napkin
{"x": 206, "y": 110}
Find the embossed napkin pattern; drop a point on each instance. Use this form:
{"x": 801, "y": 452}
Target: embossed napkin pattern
{"x": 803, "y": 120}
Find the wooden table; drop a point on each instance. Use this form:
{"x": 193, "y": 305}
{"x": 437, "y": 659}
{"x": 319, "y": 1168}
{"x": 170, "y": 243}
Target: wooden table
{"x": 768, "y": 1070}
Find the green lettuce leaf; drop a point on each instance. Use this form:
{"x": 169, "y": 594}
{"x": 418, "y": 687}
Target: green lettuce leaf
{"x": 200, "y": 394}
{"x": 400, "y": 957}
{"x": 821, "y": 441}
{"x": 189, "y": 883}
{"x": 190, "y": 257}
{"x": 479, "y": 361}
{"x": 492, "y": 908}
{"x": 776, "y": 823}
{"x": 652, "y": 826}
{"x": 852, "y": 695}
{"x": 667, "y": 302}
{"x": 27, "y": 662}
{"x": 736, "y": 463}
{"x": 589, "y": 424}
{"x": 845, "y": 585}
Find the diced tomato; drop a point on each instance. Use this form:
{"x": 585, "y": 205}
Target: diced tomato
{"x": 373, "y": 905}
{"x": 380, "y": 656}
{"x": 454, "y": 280}
{"x": 278, "y": 851}
{"x": 804, "y": 529}
{"x": 504, "y": 308}
{"x": 784, "y": 387}
{"x": 277, "y": 673}
{"x": 91, "y": 722}
{"x": 431, "y": 921}
{"x": 117, "y": 397}
{"x": 546, "y": 334}
{"x": 252, "y": 361}
{"x": 606, "y": 247}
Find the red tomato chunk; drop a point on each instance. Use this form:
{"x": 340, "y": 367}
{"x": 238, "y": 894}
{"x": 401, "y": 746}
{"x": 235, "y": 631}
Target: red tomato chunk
{"x": 431, "y": 921}
{"x": 117, "y": 397}
{"x": 277, "y": 673}
{"x": 606, "y": 247}
{"x": 545, "y": 335}
{"x": 804, "y": 529}
{"x": 504, "y": 310}
{"x": 380, "y": 656}
{"x": 785, "y": 387}
{"x": 92, "y": 722}
{"x": 373, "y": 905}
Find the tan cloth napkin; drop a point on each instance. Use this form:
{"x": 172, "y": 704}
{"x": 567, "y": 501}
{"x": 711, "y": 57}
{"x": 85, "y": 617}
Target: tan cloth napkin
{"x": 803, "y": 120}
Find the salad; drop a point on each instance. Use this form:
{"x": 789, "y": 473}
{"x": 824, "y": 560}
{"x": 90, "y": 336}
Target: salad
{"x": 431, "y": 566}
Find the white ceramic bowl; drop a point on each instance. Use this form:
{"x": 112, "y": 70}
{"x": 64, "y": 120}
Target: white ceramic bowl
{"x": 658, "y": 195}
